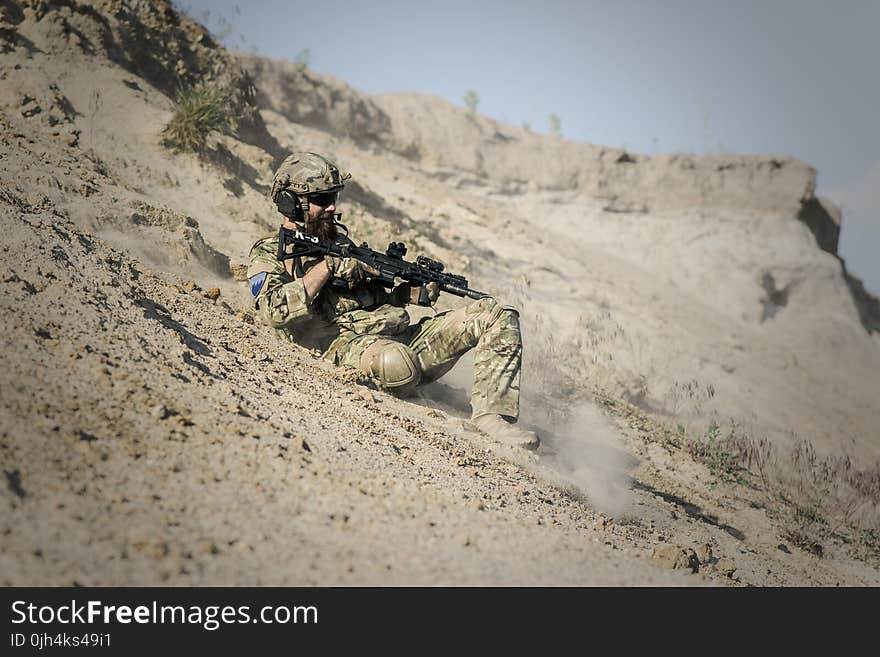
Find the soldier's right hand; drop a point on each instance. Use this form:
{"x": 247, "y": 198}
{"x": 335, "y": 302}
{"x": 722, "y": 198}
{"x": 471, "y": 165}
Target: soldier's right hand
{"x": 351, "y": 270}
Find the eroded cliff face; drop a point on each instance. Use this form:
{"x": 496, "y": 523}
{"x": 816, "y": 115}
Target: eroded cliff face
{"x": 470, "y": 151}
{"x": 473, "y": 149}
{"x": 683, "y": 290}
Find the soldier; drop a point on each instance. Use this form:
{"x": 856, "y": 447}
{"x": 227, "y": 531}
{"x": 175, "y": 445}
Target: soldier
{"x": 366, "y": 326}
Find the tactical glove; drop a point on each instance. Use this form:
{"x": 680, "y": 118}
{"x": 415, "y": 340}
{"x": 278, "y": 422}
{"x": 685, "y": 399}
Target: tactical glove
{"x": 433, "y": 293}
{"x": 406, "y": 293}
{"x": 351, "y": 270}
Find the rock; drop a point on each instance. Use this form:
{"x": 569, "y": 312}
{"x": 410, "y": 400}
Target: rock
{"x": 239, "y": 271}
{"x": 704, "y": 552}
{"x": 30, "y": 107}
{"x": 367, "y": 396}
{"x": 71, "y": 139}
{"x": 160, "y": 411}
{"x": 726, "y": 567}
{"x": 675, "y": 557}
{"x": 213, "y": 294}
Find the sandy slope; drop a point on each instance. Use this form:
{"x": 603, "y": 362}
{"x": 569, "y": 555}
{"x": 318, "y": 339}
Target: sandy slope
{"x": 152, "y": 434}
{"x": 172, "y": 442}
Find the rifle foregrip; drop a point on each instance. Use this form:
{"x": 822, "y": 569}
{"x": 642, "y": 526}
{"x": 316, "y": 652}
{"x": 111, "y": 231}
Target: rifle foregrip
{"x": 424, "y": 299}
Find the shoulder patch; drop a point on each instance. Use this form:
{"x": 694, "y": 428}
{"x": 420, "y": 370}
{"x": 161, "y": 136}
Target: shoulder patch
{"x": 257, "y": 283}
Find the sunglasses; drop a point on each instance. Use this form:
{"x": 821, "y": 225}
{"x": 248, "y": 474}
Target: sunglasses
{"x": 325, "y": 199}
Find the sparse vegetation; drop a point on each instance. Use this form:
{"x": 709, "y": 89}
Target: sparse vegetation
{"x": 817, "y": 499}
{"x": 717, "y": 453}
{"x": 197, "y": 111}
{"x": 555, "y": 125}
{"x": 471, "y": 99}
{"x": 302, "y": 59}
{"x": 692, "y": 394}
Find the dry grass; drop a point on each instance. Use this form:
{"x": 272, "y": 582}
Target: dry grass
{"x": 197, "y": 112}
{"x": 819, "y": 500}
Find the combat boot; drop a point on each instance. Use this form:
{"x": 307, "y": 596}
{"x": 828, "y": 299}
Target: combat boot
{"x": 506, "y": 432}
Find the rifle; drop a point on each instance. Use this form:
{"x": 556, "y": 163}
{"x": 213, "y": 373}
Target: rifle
{"x": 390, "y": 265}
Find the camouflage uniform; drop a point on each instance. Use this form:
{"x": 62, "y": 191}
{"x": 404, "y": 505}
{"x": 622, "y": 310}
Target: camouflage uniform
{"x": 342, "y": 324}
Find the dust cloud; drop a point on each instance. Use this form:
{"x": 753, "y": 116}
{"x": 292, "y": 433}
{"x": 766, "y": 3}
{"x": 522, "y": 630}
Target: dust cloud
{"x": 580, "y": 449}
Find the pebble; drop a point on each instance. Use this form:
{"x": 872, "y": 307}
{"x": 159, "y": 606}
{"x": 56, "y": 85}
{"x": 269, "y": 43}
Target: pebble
{"x": 704, "y": 552}
{"x": 160, "y": 411}
{"x": 31, "y": 109}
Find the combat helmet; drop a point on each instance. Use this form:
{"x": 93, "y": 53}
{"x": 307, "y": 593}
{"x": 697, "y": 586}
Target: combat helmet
{"x": 301, "y": 174}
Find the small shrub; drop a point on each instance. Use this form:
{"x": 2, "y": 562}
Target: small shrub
{"x": 471, "y": 99}
{"x": 197, "y": 111}
{"x": 717, "y": 452}
{"x": 555, "y": 125}
{"x": 302, "y": 59}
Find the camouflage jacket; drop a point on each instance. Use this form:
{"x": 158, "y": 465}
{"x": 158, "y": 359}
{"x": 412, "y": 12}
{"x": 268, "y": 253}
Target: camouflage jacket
{"x": 280, "y": 301}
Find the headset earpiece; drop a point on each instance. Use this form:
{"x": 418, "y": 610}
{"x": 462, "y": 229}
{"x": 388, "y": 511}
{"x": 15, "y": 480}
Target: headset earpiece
{"x": 288, "y": 205}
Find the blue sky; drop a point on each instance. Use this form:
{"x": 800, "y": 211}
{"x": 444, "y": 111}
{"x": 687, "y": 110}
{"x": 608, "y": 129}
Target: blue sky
{"x": 787, "y": 77}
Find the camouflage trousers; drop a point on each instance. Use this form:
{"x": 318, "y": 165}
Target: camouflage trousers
{"x": 437, "y": 343}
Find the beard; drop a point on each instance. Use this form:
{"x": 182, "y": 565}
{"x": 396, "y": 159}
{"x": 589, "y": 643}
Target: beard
{"x": 324, "y": 227}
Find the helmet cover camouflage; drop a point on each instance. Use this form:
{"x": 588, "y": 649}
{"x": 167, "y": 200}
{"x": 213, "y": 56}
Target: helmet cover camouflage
{"x": 307, "y": 173}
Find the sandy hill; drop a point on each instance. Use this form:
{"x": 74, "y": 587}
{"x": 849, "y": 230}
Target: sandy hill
{"x": 700, "y": 362}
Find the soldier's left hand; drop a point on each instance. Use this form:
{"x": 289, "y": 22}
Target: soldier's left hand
{"x": 433, "y": 293}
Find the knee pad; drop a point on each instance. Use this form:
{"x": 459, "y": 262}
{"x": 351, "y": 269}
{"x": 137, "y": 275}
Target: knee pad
{"x": 393, "y": 365}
